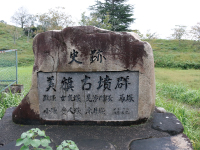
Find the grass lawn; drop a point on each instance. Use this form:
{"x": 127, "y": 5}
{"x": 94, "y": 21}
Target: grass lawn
{"x": 189, "y": 78}
{"x": 24, "y": 76}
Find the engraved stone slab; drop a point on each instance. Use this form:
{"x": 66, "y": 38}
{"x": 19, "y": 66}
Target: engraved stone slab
{"x": 97, "y": 59}
{"x": 89, "y": 96}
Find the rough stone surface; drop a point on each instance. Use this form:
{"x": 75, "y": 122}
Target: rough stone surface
{"x": 15, "y": 89}
{"x": 160, "y": 110}
{"x": 118, "y": 136}
{"x": 167, "y": 122}
{"x": 11, "y": 146}
{"x": 89, "y": 49}
{"x": 178, "y": 142}
{"x": 92, "y": 144}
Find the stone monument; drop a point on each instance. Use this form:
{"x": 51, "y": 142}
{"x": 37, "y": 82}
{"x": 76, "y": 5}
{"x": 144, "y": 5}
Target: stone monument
{"x": 89, "y": 75}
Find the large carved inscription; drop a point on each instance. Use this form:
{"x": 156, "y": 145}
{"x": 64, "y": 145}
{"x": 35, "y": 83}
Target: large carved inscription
{"x": 89, "y": 96}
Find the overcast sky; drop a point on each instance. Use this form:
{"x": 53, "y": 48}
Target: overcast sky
{"x": 158, "y": 16}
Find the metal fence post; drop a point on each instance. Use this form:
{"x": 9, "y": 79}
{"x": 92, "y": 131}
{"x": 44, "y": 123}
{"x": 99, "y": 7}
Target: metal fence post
{"x": 16, "y": 66}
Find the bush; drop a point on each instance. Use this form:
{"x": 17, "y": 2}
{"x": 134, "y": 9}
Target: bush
{"x": 36, "y": 138}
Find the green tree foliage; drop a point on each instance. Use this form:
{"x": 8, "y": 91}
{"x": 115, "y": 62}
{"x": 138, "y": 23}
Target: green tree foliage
{"x": 93, "y": 20}
{"x": 195, "y": 31}
{"x": 120, "y": 14}
{"x": 179, "y": 32}
{"x": 2, "y": 21}
{"x": 195, "y": 35}
{"x": 138, "y": 33}
{"x": 54, "y": 19}
{"x": 150, "y": 35}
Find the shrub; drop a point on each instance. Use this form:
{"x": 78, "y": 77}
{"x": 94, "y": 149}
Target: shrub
{"x": 36, "y": 138}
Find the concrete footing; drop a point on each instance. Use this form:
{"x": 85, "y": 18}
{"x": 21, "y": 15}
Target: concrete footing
{"x": 152, "y": 135}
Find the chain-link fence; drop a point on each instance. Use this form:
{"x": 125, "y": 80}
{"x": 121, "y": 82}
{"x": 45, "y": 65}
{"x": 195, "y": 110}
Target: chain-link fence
{"x": 8, "y": 68}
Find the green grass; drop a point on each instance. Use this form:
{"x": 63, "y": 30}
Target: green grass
{"x": 169, "y": 54}
{"x": 24, "y": 47}
{"x": 180, "y": 93}
{"x": 25, "y": 77}
{"x": 10, "y": 100}
{"x": 189, "y": 117}
{"x": 189, "y": 78}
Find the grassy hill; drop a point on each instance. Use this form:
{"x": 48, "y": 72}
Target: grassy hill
{"x": 172, "y": 54}
{"x": 24, "y": 46}
{"x": 167, "y": 53}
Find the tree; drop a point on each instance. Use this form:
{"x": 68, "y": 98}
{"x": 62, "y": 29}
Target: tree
{"x": 29, "y": 26}
{"x": 195, "y": 31}
{"x": 119, "y": 12}
{"x": 150, "y": 35}
{"x": 54, "y": 19}
{"x": 94, "y": 21}
{"x": 138, "y": 33}
{"x": 44, "y": 22}
{"x": 30, "y": 31}
{"x": 21, "y": 17}
{"x": 84, "y": 20}
{"x": 179, "y": 32}
{"x": 2, "y": 21}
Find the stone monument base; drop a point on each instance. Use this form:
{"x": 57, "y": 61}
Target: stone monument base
{"x": 162, "y": 131}
{"x": 15, "y": 88}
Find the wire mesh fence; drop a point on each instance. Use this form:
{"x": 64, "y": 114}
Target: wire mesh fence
{"x": 8, "y": 68}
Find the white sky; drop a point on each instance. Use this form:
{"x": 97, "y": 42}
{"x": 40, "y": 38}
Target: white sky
{"x": 158, "y": 16}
